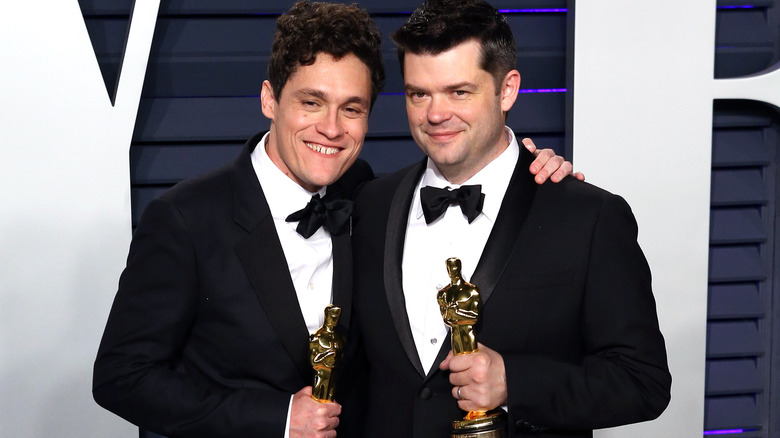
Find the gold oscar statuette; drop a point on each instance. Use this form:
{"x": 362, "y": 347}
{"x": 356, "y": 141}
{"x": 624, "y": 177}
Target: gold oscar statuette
{"x": 325, "y": 350}
{"x": 459, "y": 303}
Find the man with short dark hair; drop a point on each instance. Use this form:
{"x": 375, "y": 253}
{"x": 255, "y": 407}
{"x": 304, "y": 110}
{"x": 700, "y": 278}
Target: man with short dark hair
{"x": 568, "y": 333}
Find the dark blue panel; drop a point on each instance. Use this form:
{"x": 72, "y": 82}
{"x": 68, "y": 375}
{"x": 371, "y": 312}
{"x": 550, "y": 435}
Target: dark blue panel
{"x": 108, "y": 36}
{"x": 387, "y": 155}
{"x": 742, "y": 27}
{"x": 733, "y": 339}
{"x": 735, "y": 263}
{"x": 140, "y": 198}
{"x": 739, "y": 147}
{"x": 732, "y": 62}
{"x": 214, "y": 36}
{"x": 168, "y": 164}
{"x": 732, "y": 376}
{"x": 274, "y": 6}
{"x": 105, "y": 7}
{"x": 199, "y": 119}
{"x": 734, "y": 300}
{"x": 731, "y": 412}
{"x": 741, "y": 114}
{"x": 737, "y": 187}
{"x": 736, "y": 225}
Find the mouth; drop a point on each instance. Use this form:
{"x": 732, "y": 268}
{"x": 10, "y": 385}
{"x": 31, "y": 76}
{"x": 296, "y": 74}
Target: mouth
{"x": 325, "y": 150}
{"x": 442, "y": 136}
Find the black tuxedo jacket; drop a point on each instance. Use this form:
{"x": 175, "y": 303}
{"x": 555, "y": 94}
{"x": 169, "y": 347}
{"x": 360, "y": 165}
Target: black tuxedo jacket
{"x": 566, "y": 301}
{"x": 206, "y": 337}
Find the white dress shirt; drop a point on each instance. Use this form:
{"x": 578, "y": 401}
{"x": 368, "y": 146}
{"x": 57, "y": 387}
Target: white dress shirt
{"x": 310, "y": 261}
{"x": 428, "y": 246}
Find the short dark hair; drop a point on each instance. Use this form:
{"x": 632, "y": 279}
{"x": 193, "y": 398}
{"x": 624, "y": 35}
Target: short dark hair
{"x": 308, "y": 29}
{"x": 439, "y": 25}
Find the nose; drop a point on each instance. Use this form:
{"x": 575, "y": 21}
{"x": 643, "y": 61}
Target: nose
{"x": 438, "y": 110}
{"x": 330, "y": 124}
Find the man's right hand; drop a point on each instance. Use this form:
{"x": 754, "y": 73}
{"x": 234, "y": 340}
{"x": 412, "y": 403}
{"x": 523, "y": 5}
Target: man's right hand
{"x": 312, "y": 419}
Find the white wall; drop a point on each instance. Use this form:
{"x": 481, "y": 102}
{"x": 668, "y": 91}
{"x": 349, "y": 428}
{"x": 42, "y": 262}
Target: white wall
{"x": 64, "y": 215}
{"x": 643, "y": 95}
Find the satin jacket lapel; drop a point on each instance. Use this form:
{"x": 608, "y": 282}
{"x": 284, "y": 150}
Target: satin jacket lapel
{"x": 511, "y": 217}
{"x": 263, "y": 259}
{"x": 394, "y": 245}
{"x": 342, "y": 278}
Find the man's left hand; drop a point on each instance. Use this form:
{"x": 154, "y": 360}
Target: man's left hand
{"x": 481, "y": 378}
{"x": 549, "y": 165}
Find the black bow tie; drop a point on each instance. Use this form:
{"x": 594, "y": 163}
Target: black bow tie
{"x": 435, "y": 201}
{"x": 331, "y": 211}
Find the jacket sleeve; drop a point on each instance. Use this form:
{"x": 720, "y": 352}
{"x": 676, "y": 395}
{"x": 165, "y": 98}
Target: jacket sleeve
{"x": 138, "y": 372}
{"x": 623, "y": 375}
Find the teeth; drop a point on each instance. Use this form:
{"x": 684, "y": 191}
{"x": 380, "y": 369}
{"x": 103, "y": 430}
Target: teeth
{"x": 321, "y": 149}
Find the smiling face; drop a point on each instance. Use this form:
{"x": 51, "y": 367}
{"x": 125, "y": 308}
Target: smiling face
{"x": 319, "y": 123}
{"x": 455, "y": 113}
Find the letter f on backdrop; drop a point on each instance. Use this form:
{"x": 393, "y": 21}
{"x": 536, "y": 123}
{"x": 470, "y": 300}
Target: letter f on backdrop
{"x": 642, "y": 127}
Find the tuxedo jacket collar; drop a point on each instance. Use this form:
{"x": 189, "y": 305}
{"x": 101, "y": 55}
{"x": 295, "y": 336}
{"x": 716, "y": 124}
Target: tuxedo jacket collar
{"x": 263, "y": 259}
{"x": 498, "y": 249}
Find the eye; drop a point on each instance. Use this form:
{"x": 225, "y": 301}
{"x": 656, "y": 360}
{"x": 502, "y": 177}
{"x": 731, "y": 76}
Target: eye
{"x": 354, "y": 112}
{"x": 417, "y": 95}
{"x": 460, "y": 93}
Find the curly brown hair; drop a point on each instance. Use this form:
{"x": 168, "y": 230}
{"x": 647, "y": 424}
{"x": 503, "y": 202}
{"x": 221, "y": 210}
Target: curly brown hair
{"x": 308, "y": 29}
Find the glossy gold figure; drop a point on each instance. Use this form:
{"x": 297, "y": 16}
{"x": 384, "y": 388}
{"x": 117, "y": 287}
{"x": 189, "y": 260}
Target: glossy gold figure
{"x": 325, "y": 350}
{"x": 459, "y": 304}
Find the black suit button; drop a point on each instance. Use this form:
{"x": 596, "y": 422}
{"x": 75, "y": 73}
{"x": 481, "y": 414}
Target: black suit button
{"x": 426, "y": 394}
{"x": 523, "y": 425}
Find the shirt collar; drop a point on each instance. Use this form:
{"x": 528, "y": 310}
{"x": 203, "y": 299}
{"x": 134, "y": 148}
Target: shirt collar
{"x": 284, "y": 196}
{"x": 494, "y": 179}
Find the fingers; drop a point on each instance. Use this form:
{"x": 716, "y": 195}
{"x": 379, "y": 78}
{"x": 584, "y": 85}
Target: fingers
{"x": 529, "y": 144}
{"x": 478, "y": 379}
{"x": 312, "y": 419}
{"x": 445, "y": 364}
{"x": 564, "y": 169}
{"x": 548, "y": 165}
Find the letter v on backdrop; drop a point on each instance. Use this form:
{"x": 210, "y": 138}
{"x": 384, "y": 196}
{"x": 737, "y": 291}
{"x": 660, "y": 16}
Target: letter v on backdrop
{"x": 65, "y": 217}
{"x": 642, "y": 125}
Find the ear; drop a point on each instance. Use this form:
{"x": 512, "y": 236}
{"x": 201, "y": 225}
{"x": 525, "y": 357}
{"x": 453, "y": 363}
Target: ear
{"x": 509, "y": 89}
{"x": 267, "y": 100}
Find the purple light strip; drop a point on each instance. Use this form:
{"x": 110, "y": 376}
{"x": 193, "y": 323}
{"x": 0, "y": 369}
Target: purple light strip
{"x": 737, "y": 7}
{"x": 722, "y": 432}
{"x": 532, "y": 90}
{"x": 543, "y": 90}
{"x": 532, "y": 11}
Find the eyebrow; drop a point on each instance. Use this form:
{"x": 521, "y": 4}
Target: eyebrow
{"x": 411, "y": 88}
{"x": 319, "y": 94}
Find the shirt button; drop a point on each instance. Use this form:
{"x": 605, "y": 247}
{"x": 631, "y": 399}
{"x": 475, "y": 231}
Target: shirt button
{"x": 311, "y": 285}
{"x": 434, "y": 341}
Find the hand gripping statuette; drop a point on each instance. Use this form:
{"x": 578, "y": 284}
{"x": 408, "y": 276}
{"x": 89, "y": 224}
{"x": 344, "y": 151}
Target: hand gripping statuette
{"x": 325, "y": 350}
{"x": 459, "y": 303}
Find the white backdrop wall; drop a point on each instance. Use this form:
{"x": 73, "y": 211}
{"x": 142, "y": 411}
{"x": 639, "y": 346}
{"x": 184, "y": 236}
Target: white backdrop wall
{"x": 65, "y": 215}
{"x": 643, "y": 95}
{"x": 65, "y": 189}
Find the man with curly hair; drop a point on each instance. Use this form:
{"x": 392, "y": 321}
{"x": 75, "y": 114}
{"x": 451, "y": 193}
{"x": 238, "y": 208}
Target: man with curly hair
{"x": 208, "y": 334}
